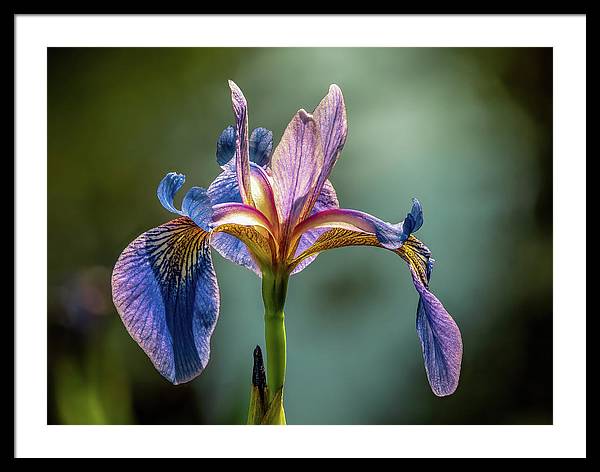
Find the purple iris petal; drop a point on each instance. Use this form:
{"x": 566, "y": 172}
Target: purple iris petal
{"x": 330, "y": 116}
{"x": 165, "y": 290}
{"x": 196, "y": 203}
{"x": 440, "y": 340}
{"x": 242, "y": 162}
{"x": 295, "y": 165}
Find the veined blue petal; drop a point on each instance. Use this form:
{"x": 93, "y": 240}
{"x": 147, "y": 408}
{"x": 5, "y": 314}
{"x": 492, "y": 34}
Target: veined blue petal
{"x": 167, "y": 188}
{"x": 440, "y": 338}
{"x": 196, "y": 203}
{"x": 261, "y": 146}
{"x": 414, "y": 219}
{"x": 234, "y": 250}
{"x": 165, "y": 290}
{"x": 226, "y": 146}
{"x": 393, "y": 235}
{"x": 225, "y": 188}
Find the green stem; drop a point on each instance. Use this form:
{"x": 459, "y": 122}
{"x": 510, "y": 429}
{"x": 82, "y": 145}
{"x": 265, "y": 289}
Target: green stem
{"x": 274, "y": 289}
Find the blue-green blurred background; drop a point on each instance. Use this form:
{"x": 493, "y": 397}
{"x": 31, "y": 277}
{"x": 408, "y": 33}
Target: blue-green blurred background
{"x": 467, "y": 131}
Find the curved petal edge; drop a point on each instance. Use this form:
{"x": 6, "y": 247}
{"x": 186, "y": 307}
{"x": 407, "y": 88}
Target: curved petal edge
{"x": 165, "y": 290}
{"x": 441, "y": 341}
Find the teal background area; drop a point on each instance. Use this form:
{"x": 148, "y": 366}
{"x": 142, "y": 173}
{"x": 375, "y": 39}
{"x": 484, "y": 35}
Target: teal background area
{"x": 467, "y": 131}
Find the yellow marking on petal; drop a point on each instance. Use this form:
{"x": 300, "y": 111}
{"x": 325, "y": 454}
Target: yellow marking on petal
{"x": 335, "y": 238}
{"x": 411, "y": 250}
{"x": 180, "y": 248}
{"x": 263, "y": 199}
{"x": 241, "y": 215}
{"x": 413, "y": 253}
{"x": 260, "y": 246}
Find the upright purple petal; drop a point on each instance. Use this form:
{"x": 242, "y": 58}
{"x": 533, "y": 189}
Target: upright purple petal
{"x": 165, "y": 290}
{"x": 330, "y": 116}
{"x": 441, "y": 341}
{"x": 242, "y": 161}
{"x": 295, "y": 166}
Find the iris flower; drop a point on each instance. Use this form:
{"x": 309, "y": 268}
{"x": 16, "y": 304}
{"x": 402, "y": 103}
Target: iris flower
{"x": 272, "y": 212}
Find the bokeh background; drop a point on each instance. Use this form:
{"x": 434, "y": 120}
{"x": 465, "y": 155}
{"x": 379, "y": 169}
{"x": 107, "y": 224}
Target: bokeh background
{"x": 467, "y": 131}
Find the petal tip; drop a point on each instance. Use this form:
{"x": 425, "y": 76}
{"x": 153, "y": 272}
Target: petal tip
{"x": 446, "y": 391}
{"x": 304, "y": 116}
{"x": 335, "y": 88}
{"x": 174, "y": 177}
{"x": 235, "y": 90}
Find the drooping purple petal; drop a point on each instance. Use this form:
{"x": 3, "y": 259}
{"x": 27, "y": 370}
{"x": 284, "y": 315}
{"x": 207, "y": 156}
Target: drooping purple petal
{"x": 327, "y": 200}
{"x": 165, "y": 290}
{"x": 196, "y": 203}
{"x": 391, "y": 236}
{"x": 440, "y": 338}
{"x": 295, "y": 165}
{"x": 242, "y": 161}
